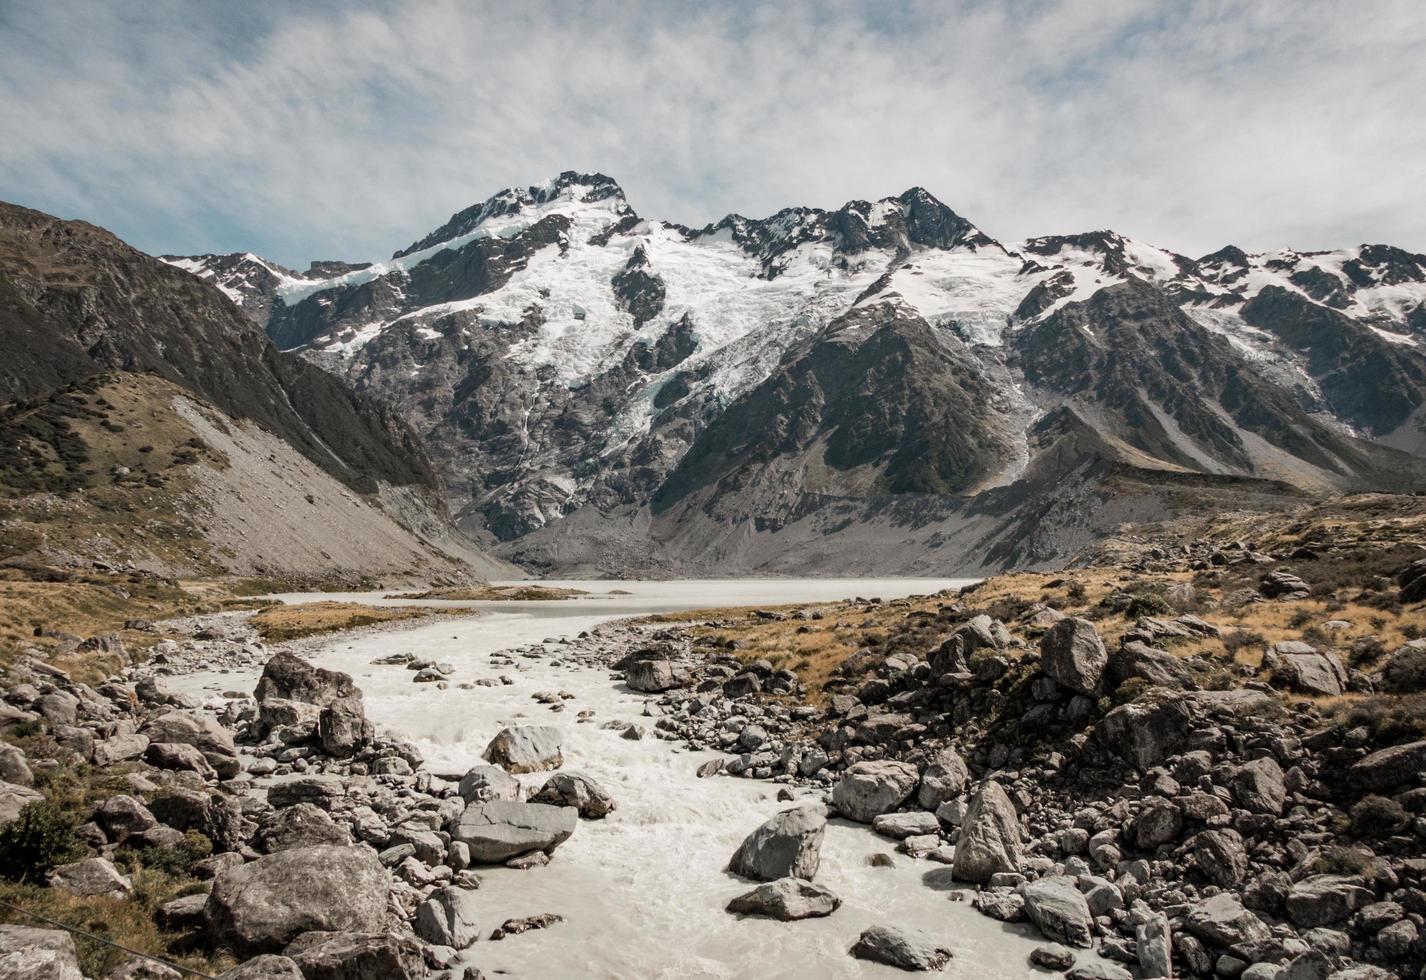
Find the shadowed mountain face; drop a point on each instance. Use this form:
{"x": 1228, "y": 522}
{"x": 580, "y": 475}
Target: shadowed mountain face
{"x": 76, "y": 301}
{"x": 881, "y": 387}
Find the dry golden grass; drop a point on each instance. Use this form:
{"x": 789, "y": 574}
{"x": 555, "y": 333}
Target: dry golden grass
{"x": 278, "y": 623}
{"x": 129, "y": 922}
{"x": 494, "y": 593}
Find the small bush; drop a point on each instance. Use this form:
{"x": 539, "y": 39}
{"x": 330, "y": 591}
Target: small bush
{"x": 1390, "y": 719}
{"x": 1148, "y": 604}
{"x": 1405, "y": 672}
{"x": 177, "y": 860}
{"x": 1365, "y": 651}
{"x": 1377, "y": 816}
{"x": 1076, "y": 594}
{"x": 41, "y": 838}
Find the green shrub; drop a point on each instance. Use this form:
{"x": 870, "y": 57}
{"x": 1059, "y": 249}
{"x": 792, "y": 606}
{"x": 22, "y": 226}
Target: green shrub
{"x": 179, "y": 859}
{"x": 42, "y": 837}
{"x": 1076, "y": 594}
{"x": 1239, "y": 639}
{"x": 1148, "y": 604}
{"x": 1377, "y": 816}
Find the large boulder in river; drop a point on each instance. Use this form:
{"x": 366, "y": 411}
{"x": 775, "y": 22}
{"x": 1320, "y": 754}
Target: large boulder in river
{"x": 525, "y": 748}
{"x": 592, "y": 801}
{"x": 787, "y": 899}
{"x": 261, "y": 906}
{"x": 1059, "y": 910}
{"x": 322, "y": 955}
{"x": 37, "y": 954}
{"x": 1073, "y": 654}
{"x": 290, "y": 678}
{"x": 904, "y": 949}
{"x": 989, "y": 841}
{"x": 503, "y": 829}
{"x": 201, "y": 732}
{"x": 868, "y": 789}
{"x": 482, "y": 784}
{"x": 449, "y": 918}
{"x": 788, "y": 845}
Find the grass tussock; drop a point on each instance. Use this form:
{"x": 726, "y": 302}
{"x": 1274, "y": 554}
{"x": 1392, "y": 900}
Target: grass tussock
{"x": 280, "y": 623}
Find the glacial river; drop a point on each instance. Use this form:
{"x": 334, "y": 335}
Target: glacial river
{"x": 642, "y": 891}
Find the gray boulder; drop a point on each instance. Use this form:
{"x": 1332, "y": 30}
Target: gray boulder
{"x": 653, "y": 676}
{"x": 14, "y": 767}
{"x": 288, "y": 677}
{"x": 178, "y": 756}
{"x": 201, "y": 732}
{"x": 119, "y": 748}
{"x": 1301, "y": 668}
{"x": 1387, "y": 768}
{"x": 448, "y": 918}
{"x": 1223, "y": 922}
{"x": 343, "y": 729}
{"x": 1059, "y": 910}
{"x": 13, "y": 799}
{"x": 1258, "y": 786}
{"x": 572, "y": 789}
{"x": 787, "y": 899}
{"x": 1073, "y": 654}
{"x": 900, "y": 826}
{"x": 904, "y": 949}
{"x": 1219, "y": 856}
{"x": 1153, "y": 946}
{"x": 261, "y": 906}
{"x": 525, "y": 748}
{"x": 1146, "y": 732}
{"x": 121, "y": 816}
{"x": 1322, "y": 900}
{"x": 944, "y": 778}
{"x": 269, "y": 966}
{"x": 340, "y": 955}
{"x": 787, "y": 845}
{"x": 90, "y": 877}
{"x": 300, "y": 825}
{"x": 485, "y": 783}
{"x": 1138, "y": 659}
{"x": 867, "y": 789}
{"x": 503, "y": 829}
{"x": 37, "y": 954}
{"x": 989, "y": 840}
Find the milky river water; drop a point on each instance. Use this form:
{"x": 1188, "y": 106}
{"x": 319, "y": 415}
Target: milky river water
{"x": 643, "y": 891}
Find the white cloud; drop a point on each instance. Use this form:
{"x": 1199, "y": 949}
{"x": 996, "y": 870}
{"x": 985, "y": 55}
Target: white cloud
{"x": 330, "y": 132}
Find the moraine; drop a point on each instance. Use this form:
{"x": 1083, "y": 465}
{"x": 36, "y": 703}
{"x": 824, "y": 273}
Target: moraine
{"x": 643, "y": 891}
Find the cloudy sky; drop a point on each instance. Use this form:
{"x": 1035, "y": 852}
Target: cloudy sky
{"x": 318, "y": 130}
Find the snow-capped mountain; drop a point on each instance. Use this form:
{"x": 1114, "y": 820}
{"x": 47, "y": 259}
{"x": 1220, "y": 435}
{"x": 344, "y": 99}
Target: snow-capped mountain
{"x": 603, "y": 390}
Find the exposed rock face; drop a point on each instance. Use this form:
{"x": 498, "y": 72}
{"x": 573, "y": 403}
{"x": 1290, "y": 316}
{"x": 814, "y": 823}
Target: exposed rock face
{"x": 300, "y": 825}
{"x": 261, "y": 906}
{"x": 787, "y": 899}
{"x": 787, "y": 845}
{"x": 1305, "y": 670}
{"x": 901, "y": 948}
{"x": 1322, "y": 900}
{"x": 525, "y": 748}
{"x": 502, "y": 829}
{"x": 1145, "y": 734}
{"x": 871, "y": 788}
{"x": 90, "y": 877}
{"x": 989, "y": 841}
{"x": 1222, "y": 921}
{"x": 1073, "y": 654}
{"x": 1389, "y": 767}
{"x": 268, "y": 966}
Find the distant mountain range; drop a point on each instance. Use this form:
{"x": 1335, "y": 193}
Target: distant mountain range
{"x": 880, "y": 388}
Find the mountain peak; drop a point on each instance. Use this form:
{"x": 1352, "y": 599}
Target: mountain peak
{"x": 569, "y": 185}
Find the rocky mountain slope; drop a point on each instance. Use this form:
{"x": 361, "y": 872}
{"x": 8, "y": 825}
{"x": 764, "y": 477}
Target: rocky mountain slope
{"x": 879, "y": 388}
{"x": 89, "y": 323}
